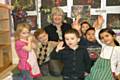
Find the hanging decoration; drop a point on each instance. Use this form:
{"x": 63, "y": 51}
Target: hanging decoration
{"x": 19, "y": 15}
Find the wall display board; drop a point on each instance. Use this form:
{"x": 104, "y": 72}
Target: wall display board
{"x": 25, "y": 11}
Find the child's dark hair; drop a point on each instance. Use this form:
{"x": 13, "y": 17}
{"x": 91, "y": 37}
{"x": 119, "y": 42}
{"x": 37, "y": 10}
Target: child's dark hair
{"x": 110, "y": 31}
{"x": 90, "y": 28}
{"x": 74, "y": 31}
{"x": 85, "y": 22}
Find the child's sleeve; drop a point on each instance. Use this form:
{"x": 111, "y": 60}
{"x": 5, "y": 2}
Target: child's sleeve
{"x": 87, "y": 60}
{"x": 55, "y": 55}
{"x": 114, "y": 60}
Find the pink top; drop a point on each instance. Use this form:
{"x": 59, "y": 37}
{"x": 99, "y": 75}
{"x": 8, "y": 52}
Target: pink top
{"x": 23, "y": 55}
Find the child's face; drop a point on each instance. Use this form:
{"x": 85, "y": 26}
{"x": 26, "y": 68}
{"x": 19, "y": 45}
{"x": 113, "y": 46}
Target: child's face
{"x": 90, "y": 35}
{"x": 43, "y": 38}
{"x": 84, "y": 27}
{"x": 71, "y": 40}
{"x": 107, "y": 38}
{"x": 25, "y": 33}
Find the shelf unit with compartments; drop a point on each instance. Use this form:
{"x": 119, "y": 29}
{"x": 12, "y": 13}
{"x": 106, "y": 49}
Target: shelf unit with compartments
{"x": 5, "y": 38}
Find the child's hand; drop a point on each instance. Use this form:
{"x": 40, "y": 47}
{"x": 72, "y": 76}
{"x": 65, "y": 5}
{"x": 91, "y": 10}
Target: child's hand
{"x": 60, "y": 46}
{"x": 85, "y": 73}
{"x": 76, "y": 24}
{"x": 98, "y": 23}
{"x": 100, "y": 20}
{"x": 78, "y": 18}
{"x": 30, "y": 38}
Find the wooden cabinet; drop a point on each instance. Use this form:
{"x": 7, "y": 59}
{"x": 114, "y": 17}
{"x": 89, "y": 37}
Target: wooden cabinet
{"x": 5, "y": 41}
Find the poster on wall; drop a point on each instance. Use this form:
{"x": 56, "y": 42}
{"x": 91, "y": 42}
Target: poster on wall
{"x": 28, "y": 5}
{"x": 32, "y": 20}
{"x": 82, "y": 2}
{"x": 113, "y": 21}
{"x": 96, "y": 3}
{"x": 82, "y": 10}
{"x": 53, "y": 3}
{"x": 93, "y": 18}
{"x": 93, "y": 3}
{"x": 44, "y": 19}
{"x": 113, "y": 2}
{"x": 67, "y": 19}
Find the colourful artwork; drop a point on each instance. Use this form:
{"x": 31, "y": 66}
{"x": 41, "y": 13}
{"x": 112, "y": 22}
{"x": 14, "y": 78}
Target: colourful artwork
{"x": 92, "y": 19}
{"x": 82, "y": 10}
{"x": 93, "y": 3}
{"x": 82, "y": 2}
{"x": 32, "y": 20}
{"x": 113, "y": 2}
{"x": 53, "y": 3}
{"x": 113, "y": 21}
{"x": 19, "y": 16}
{"x": 28, "y": 5}
{"x": 96, "y": 3}
{"x": 44, "y": 19}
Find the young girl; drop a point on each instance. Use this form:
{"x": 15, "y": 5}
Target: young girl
{"x": 24, "y": 48}
{"x": 75, "y": 58}
{"x": 109, "y": 60}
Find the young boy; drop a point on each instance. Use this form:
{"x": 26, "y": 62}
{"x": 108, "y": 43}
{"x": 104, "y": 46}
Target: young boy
{"x": 75, "y": 58}
{"x": 45, "y": 47}
{"x": 93, "y": 47}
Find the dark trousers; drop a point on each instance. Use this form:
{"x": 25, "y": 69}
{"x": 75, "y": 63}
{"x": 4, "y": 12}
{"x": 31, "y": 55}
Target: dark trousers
{"x": 25, "y": 75}
{"x": 45, "y": 69}
{"x": 72, "y": 78}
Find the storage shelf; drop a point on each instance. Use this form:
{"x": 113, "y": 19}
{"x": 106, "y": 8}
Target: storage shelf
{"x": 5, "y": 38}
{"x": 4, "y": 19}
{"x": 4, "y": 31}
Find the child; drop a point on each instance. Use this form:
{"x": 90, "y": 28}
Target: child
{"x": 24, "y": 47}
{"x": 75, "y": 58}
{"x": 84, "y": 26}
{"x": 81, "y": 28}
{"x": 92, "y": 45}
{"x": 45, "y": 48}
{"x": 109, "y": 58}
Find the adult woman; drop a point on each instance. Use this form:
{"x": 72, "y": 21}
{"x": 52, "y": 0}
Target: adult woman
{"x": 57, "y": 27}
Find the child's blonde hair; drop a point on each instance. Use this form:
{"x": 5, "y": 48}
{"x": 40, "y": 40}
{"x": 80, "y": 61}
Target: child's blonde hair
{"x": 19, "y": 29}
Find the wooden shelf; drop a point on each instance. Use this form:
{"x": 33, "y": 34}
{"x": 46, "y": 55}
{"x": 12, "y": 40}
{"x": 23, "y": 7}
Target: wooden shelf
{"x": 5, "y": 38}
{"x": 4, "y": 31}
{"x": 5, "y": 6}
{"x": 4, "y": 19}
{"x": 7, "y": 72}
